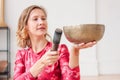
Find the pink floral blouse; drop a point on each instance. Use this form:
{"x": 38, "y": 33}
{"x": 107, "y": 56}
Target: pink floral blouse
{"x": 25, "y": 58}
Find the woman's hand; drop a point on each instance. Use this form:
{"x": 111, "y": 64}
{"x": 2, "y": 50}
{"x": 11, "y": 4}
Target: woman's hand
{"x": 47, "y": 59}
{"x": 50, "y": 57}
{"x": 84, "y": 45}
{"x": 76, "y": 47}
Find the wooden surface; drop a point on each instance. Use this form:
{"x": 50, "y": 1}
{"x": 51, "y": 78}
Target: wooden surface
{"x": 3, "y": 66}
{"x": 104, "y": 77}
{"x": 2, "y": 22}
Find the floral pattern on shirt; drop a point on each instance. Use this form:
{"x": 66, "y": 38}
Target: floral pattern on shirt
{"x": 25, "y": 58}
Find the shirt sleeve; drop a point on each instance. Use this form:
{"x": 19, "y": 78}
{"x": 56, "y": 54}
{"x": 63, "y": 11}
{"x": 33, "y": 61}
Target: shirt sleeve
{"x": 19, "y": 69}
{"x": 66, "y": 72}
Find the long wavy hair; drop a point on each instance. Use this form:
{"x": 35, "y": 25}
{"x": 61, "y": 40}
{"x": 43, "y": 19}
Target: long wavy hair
{"x": 23, "y": 39}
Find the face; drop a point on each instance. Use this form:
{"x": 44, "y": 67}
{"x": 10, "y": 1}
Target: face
{"x": 37, "y": 23}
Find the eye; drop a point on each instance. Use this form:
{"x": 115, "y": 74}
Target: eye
{"x": 35, "y": 19}
{"x": 43, "y": 18}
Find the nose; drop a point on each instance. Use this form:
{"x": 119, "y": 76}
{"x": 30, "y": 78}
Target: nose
{"x": 40, "y": 21}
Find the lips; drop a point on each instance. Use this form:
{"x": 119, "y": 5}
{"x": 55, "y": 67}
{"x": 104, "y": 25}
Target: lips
{"x": 41, "y": 28}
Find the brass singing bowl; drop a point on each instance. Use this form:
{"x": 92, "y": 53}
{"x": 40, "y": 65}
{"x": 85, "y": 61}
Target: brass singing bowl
{"x": 84, "y": 33}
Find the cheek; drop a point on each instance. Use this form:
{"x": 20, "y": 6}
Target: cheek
{"x": 46, "y": 25}
{"x": 30, "y": 29}
{"x": 30, "y": 26}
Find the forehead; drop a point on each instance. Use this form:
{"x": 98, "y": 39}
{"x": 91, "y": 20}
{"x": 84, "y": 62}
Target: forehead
{"x": 37, "y": 12}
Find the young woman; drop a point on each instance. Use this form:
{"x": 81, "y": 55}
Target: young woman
{"x": 36, "y": 61}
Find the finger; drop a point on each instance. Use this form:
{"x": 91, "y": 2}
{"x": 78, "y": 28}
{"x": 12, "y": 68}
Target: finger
{"x": 90, "y": 44}
{"x": 56, "y": 57}
{"x": 53, "y": 53}
{"x": 52, "y": 57}
{"x": 52, "y": 62}
{"x": 78, "y": 45}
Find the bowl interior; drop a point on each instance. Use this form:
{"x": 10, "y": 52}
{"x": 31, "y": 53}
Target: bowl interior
{"x": 84, "y": 33}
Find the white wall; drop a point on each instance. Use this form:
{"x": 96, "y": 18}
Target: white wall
{"x": 93, "y": 61}
{"x": 108, "y": 13}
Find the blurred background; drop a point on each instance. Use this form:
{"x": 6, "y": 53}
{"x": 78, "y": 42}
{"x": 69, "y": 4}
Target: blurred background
{"x": 102, "y": 59}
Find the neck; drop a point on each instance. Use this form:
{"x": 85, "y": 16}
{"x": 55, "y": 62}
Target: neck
{"x": 38, "y": 44}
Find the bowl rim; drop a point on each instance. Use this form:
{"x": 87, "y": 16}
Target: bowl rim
{"x": 93, "y": 24}
{"x": 88, "y": 24}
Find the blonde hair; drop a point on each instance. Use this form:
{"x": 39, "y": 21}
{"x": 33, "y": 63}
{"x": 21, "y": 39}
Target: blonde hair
{"x": 23, "y": 39}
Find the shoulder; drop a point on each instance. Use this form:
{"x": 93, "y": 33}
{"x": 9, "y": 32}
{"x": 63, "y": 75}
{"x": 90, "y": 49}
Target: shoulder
{"x": 21, "y": 51}
{"x": 63, "y": 46}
